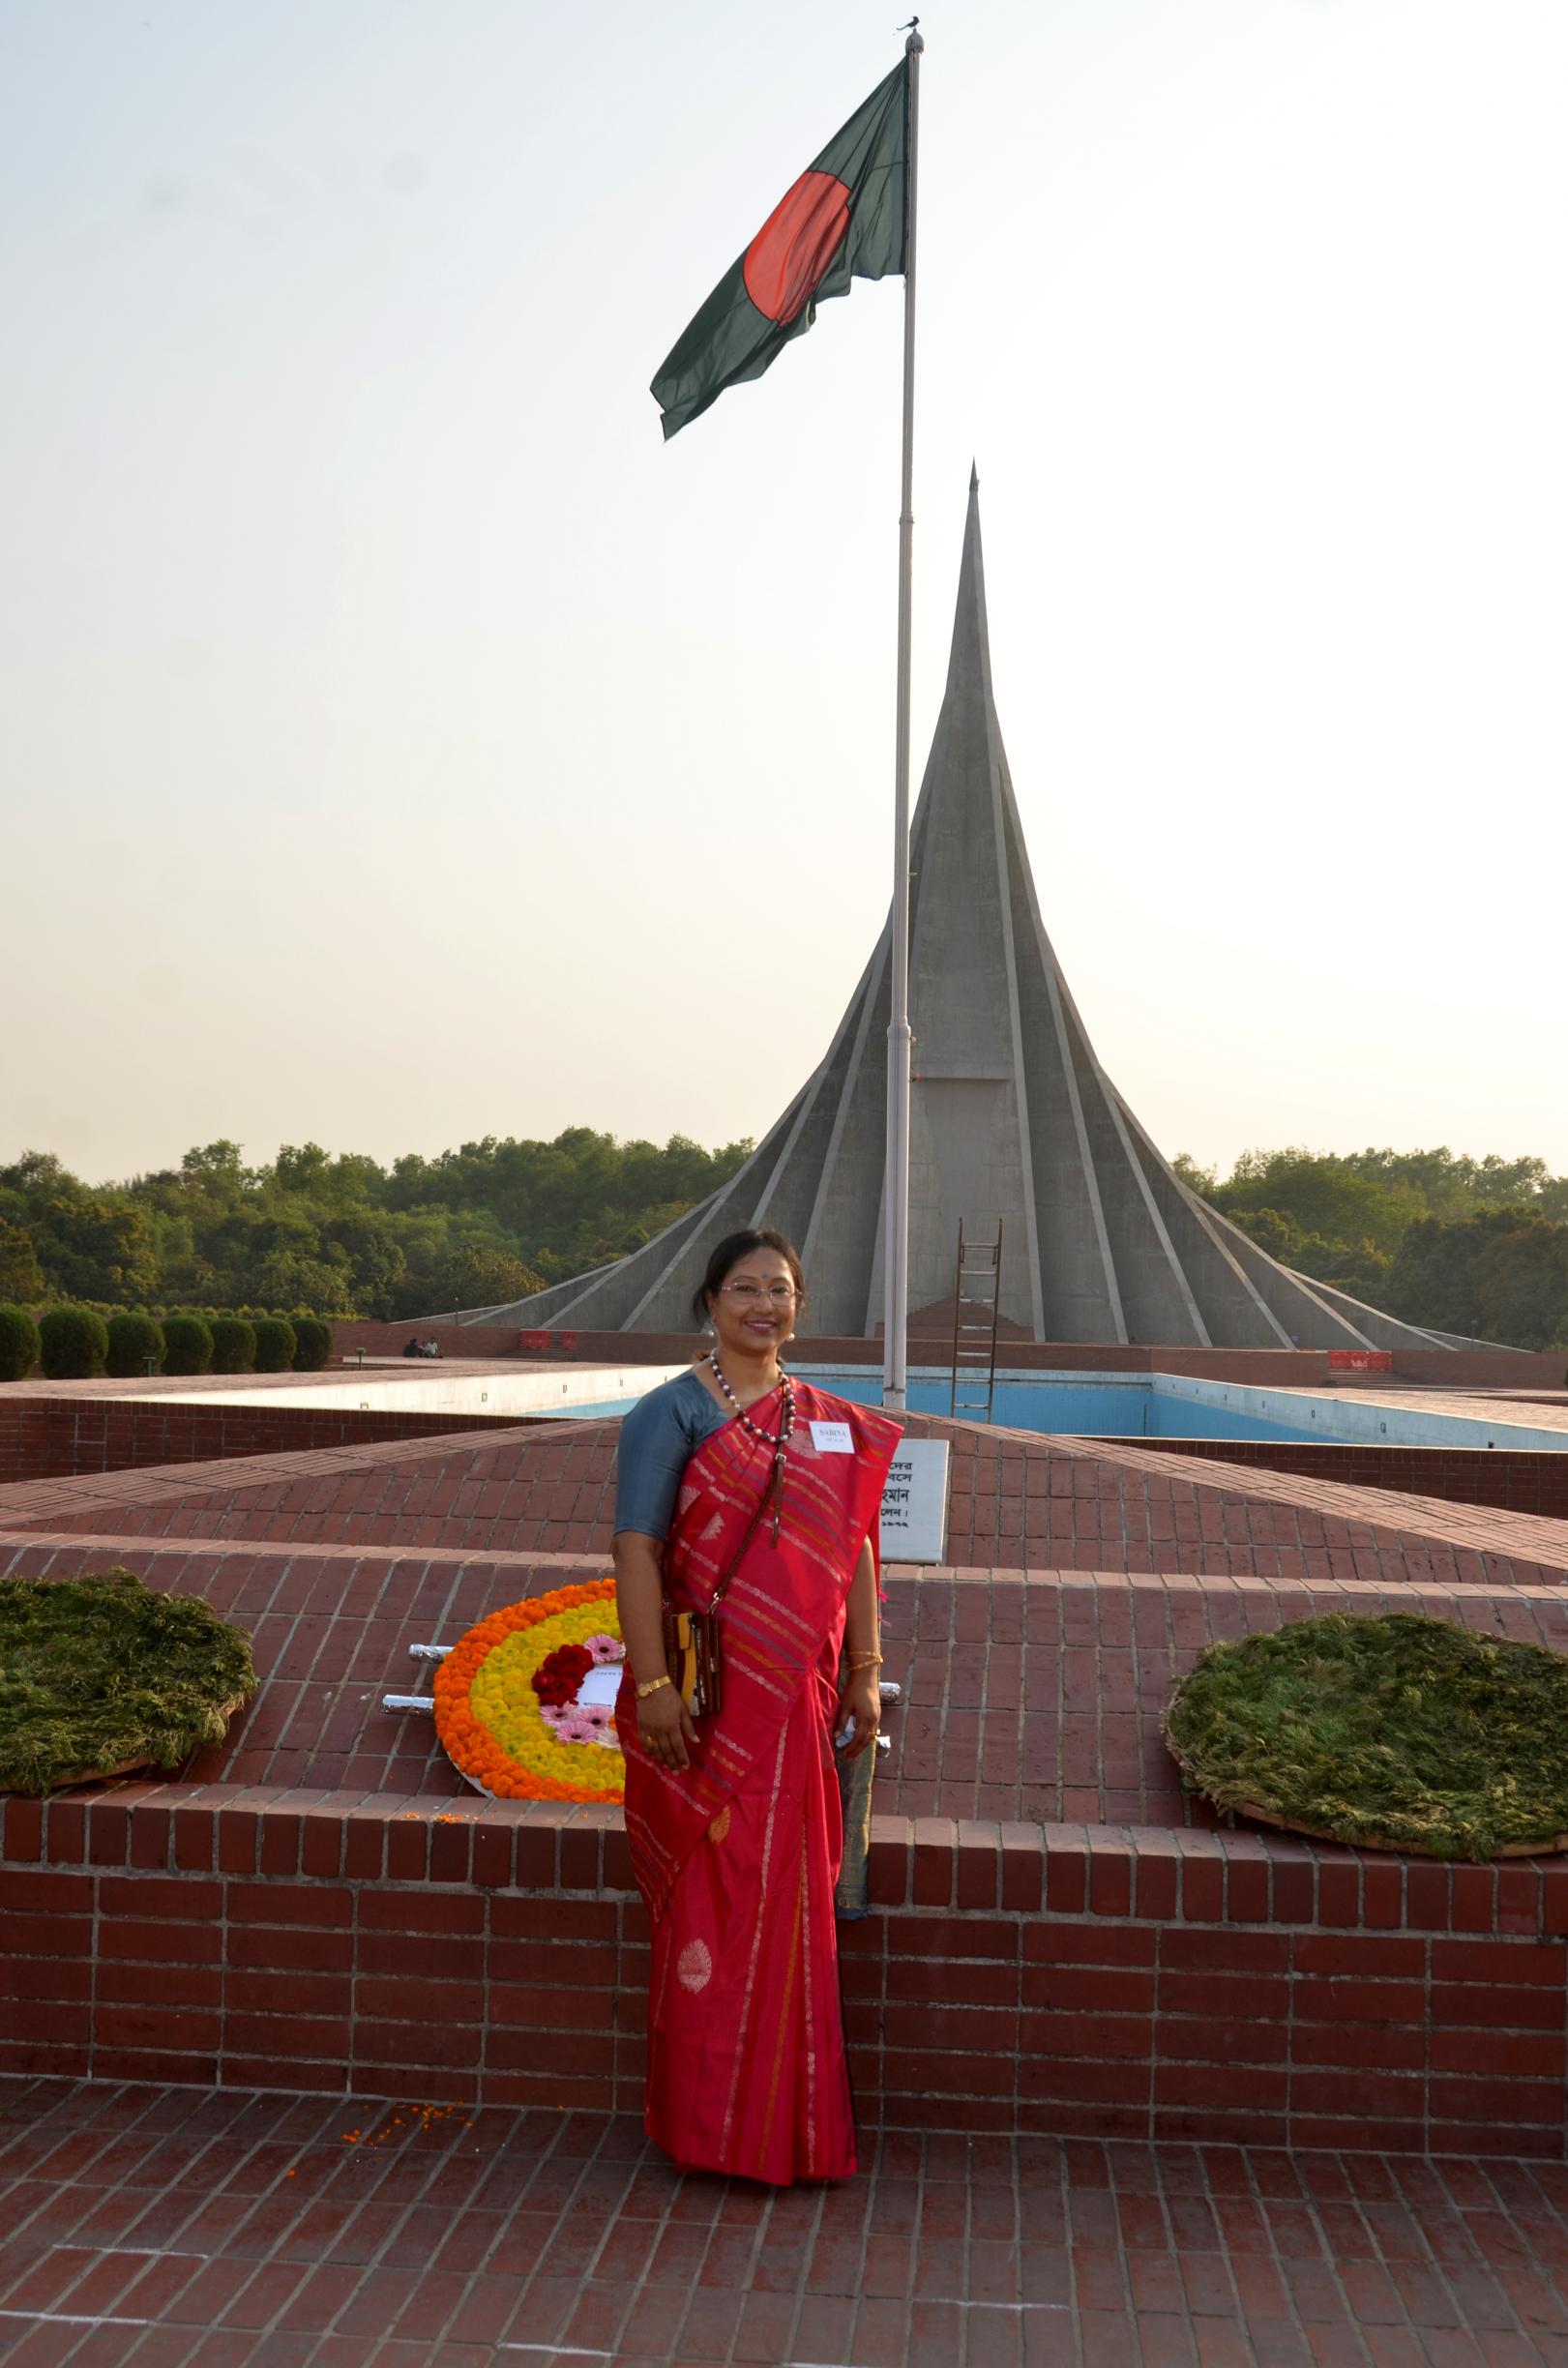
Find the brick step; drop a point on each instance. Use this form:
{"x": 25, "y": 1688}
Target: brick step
{"x": 1030, "y": 1980}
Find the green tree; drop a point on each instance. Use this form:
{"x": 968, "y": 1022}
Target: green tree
{"x": 367, "y": 1241}
{"x": 22, "y": 1277}
{"x": 1204, "y": 1181}
{"x": 475, "y": 1277}
{"x": 286, "y": 1278}
{"x": 1321, "y": 1195}
{"x": 1269, "y": 1230}
{"x": 96, "y": 1248}
{"x": 1435, "y": 1279}
{"x": 1522, "y": 1285}
{"x": 216, "y": 1170}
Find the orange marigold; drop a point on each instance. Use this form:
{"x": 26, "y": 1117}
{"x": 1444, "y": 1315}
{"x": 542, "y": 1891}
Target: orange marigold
{"x": 471, "y": 1746}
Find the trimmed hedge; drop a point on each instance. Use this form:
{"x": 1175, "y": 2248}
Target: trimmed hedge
{"x": 132, "y": 1340}
{"x": 187, "y": 1344}
{"x": 313, "y": 1343}
{"x": 18, "y": 1343}
{"x": 234, "y": 1344}
{"x": 275, "y": 1344}
{"x": 72, "y": 1343}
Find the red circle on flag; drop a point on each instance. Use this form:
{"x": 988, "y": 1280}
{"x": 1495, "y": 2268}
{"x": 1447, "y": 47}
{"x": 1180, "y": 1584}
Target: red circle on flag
{"x": 786, "y": 260}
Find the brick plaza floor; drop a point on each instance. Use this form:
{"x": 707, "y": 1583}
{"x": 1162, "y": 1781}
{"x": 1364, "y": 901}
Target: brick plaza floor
{"x": 144, "y": 2228}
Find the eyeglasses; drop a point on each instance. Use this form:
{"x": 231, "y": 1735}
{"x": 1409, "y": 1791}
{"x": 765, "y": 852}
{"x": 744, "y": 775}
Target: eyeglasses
{"x": 746, "y": 1294}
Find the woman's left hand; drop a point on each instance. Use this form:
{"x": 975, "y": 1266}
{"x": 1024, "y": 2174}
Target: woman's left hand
{"x": 859, "y": 1699}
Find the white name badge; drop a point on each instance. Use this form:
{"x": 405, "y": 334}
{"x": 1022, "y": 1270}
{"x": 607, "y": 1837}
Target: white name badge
{"x": 832, "y": 1439}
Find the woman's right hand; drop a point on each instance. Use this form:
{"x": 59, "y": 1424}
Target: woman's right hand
{"x": 665, "y": 1728}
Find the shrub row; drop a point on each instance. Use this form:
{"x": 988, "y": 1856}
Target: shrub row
{"x": 107, "y": 1308}
{"x": 75, "y": 1342}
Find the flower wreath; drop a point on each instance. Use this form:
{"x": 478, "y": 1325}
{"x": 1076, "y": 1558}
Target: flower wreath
{"x": 506, "y": 1699}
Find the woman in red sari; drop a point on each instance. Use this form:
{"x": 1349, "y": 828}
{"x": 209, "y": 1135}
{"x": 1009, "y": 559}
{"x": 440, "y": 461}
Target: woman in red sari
{"x": 736, "y": 1479}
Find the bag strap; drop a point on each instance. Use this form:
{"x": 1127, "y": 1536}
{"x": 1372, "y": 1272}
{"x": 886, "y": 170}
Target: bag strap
{"x": 773, "y": 1483}
{"x": 770, "y": 1488}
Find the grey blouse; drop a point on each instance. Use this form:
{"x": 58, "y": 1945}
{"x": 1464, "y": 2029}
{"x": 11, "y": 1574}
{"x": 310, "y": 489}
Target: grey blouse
{"x": 658, "y": 1439}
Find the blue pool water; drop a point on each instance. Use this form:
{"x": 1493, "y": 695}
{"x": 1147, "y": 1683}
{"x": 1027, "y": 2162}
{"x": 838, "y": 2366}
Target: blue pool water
{"x": 1170, "y": 1405}
{"x": 1134, "y": 1407}
{"x": 1113, "y": 1409}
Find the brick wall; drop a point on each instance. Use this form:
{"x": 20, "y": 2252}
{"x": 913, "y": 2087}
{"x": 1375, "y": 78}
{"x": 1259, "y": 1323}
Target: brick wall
{"x": 1482, "y": 1368}
{"x": 1518, "y": 1479}
{"x": 55, "y": 1439}
{"x": 1301, "y": 1368}
{"x": 1016, "y": 1501}
{"x": 487, "y": 1341}
{"x": 1050, "y": 1980}
{"x": 932, "y": 1343}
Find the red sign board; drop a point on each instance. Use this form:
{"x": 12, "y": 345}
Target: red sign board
{"x": 536, "y": 1342}
{"x": 567, "y": 1342}
{"x": 1360, "y": 1360}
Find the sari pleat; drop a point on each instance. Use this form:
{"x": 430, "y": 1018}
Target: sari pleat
{"x": 737, "y": 1857}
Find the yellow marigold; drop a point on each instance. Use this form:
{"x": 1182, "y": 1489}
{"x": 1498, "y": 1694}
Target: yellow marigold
{"x": 488, "y": 1715}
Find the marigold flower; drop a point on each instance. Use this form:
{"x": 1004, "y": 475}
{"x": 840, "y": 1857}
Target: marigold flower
{"x": 496, "y": 1724}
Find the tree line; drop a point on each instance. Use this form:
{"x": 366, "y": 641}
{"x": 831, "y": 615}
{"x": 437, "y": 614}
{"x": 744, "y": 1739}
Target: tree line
{"x": 1434, "y": 1237}
{"x": 341, "y": 1234}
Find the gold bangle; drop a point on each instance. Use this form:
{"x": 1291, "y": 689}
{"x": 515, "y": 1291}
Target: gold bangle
{"x": 864, "y": 1661}
{"x": 652, "y": 1687}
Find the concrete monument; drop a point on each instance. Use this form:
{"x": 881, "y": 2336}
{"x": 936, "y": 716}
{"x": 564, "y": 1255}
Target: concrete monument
{"x": 1013, "y": 1120}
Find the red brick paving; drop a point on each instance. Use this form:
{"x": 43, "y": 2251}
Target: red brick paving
{"x": 154, "y": 2228}
{"x": 1517, "y": 1480}
{"x": 1026, "y": 1776}
{"x": 44, "y": 1438}
{"x": 1017, "y": 1501}
{"x": 1029, "y": 1696}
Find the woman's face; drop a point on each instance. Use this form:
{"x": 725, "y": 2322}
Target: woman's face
{"x": 753, "y": 1308}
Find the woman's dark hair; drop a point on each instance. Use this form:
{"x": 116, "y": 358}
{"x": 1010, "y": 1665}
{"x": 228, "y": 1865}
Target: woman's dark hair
{"x": 730, "y": 1253}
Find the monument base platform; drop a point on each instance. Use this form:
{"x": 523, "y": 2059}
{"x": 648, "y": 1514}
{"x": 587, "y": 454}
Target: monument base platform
{"x": 1060, "y": 1941}
{"x": 1009, "y": 1978}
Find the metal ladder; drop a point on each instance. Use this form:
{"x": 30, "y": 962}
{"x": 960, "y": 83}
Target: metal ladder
{"x": 974, "y": 1325}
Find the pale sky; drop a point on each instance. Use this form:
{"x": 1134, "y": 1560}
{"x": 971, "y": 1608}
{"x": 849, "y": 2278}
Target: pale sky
{"x": 402, "y": 745}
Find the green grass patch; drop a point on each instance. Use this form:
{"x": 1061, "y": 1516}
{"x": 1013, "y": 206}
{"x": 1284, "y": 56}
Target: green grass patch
{"x": 1393, "y": 1731}
{"x": 100, "y": 1670}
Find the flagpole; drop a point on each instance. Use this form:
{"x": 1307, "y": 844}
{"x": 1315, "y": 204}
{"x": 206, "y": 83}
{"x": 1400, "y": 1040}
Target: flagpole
{"x": 896, "y": 1191}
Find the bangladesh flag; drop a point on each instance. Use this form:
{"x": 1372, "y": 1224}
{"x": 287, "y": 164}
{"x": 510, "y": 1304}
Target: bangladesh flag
{"x": 842, "y": 220}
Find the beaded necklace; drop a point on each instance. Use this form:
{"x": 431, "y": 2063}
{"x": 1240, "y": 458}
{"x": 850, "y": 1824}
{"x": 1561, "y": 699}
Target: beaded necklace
{"x": 777, "y": 1440}
{"x": 787, "y": 1394}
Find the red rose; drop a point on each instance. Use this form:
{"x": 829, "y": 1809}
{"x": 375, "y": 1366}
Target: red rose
{"x": 559, "y": 1674}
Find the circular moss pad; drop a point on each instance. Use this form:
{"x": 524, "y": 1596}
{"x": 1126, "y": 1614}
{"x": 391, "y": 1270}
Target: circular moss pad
{"x": 1387, "y": 1732}
{"x": 101, "y": 1675}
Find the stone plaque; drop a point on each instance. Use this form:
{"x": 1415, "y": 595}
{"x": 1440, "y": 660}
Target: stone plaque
{"x": 915, "y": 1503}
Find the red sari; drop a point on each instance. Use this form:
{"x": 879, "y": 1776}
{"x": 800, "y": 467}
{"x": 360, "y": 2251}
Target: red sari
{"x": 736, "y": 1857}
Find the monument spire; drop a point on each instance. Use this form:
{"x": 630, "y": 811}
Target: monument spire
{"x": 1012, "y": 1120}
